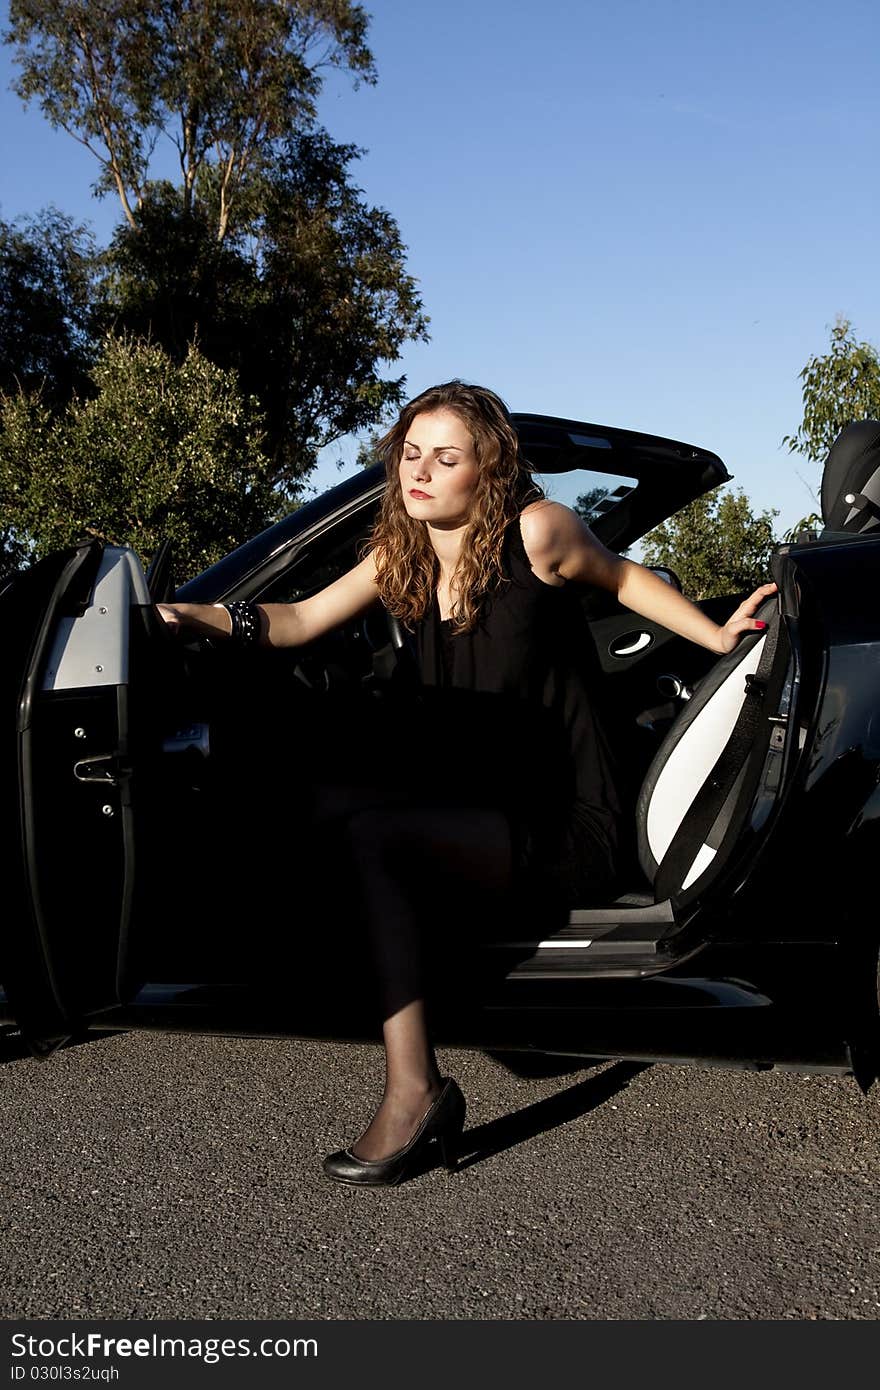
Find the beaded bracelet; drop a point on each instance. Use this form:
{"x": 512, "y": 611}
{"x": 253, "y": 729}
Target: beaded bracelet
{"x": 245, "y": 622}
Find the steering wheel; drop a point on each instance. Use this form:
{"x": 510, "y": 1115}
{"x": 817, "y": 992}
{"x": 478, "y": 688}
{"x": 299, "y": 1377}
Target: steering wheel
{"x": 377, "y": 631}
{"x": 381, "y": 629}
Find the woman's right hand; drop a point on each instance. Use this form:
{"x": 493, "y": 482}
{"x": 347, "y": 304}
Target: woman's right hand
{"x": 203, "y": 619}
{"x": 171, "y": 616}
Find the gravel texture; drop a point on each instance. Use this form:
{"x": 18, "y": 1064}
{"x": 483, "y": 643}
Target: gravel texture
{"x": 159, "y": 1176}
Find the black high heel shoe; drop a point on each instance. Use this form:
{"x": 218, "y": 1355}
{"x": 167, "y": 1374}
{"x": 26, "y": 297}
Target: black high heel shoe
{"x": 443, "y": 1122}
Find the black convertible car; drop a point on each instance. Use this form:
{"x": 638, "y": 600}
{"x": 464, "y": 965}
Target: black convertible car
{"x": 161, "y": 869}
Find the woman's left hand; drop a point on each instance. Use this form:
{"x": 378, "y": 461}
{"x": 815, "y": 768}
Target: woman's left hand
{"x": 743, "y": 619}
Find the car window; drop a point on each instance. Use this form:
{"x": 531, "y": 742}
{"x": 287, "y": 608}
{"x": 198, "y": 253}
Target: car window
{"x": 590, "y": 493}
{"x": 326, "y": 560}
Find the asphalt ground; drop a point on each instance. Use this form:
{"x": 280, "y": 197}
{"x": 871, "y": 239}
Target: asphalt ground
{"x": 159, "y": 1176}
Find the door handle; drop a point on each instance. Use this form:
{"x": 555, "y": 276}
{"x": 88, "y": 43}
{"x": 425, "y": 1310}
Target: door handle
{"x": 630, "y": 643}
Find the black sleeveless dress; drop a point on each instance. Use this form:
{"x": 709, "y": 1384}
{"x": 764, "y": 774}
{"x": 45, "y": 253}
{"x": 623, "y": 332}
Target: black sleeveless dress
{"x": 541, "y": 742}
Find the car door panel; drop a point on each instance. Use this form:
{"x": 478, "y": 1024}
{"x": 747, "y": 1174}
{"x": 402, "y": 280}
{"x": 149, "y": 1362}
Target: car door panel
{"x": 68, "y": 826}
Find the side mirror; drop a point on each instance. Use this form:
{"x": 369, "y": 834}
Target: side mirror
{"x": 667, "y": 575}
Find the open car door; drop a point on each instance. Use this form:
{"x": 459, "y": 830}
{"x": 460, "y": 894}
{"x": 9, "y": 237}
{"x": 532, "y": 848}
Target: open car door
{"x": 68, "y": 822}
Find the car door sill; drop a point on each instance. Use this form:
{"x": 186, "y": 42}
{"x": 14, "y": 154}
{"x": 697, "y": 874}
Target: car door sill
{"x": 599, "y": 941}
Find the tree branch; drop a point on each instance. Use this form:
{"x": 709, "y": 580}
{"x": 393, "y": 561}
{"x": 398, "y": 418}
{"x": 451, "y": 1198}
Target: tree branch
{"x": 106, "y": 131}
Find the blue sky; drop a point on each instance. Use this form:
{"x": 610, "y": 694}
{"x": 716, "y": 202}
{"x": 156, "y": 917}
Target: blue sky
{"x": 636, "y": 214}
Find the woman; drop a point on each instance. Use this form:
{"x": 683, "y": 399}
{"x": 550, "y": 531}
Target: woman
{"x": 470, "y": 556}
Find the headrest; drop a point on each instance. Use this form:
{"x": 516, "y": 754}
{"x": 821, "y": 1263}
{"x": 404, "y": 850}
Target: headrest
{"x": 851, "y": 480}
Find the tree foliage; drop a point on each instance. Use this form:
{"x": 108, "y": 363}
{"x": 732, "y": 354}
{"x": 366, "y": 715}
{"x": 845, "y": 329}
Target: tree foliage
{"x": 306, "y": 305}
{"x": 717, "y": 545}
{"x": 264, "y": 254}
{"x": 160, "y": 449}
{"x": 47, "y": 276}
{"x": 838, "y": 388}
{"x": 226, "y": 81}
{"x": 588, "y": 504}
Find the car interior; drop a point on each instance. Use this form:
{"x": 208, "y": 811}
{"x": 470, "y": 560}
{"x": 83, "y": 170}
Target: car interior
{"x": 674, "y": 708}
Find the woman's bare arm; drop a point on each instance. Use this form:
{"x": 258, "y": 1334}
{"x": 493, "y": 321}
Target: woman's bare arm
{"x": 561, "y": 546}
{"x": 289, "y": 624}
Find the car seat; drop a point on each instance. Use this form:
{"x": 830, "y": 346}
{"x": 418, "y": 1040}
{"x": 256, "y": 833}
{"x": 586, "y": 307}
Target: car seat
{"x": 851, "y": 480}
{"x": 714, "y": 752}
{"x": 693, "y": 794}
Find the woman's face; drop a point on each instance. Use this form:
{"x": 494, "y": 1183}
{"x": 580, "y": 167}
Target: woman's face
{"x": 438, "y": 469}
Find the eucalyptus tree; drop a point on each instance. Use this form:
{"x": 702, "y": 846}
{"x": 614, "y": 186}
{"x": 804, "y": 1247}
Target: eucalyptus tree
{"x": 841, "y": 386}
{"x": 260, "y": 248}
{"x": 226, "y": 81}
{"x": 837, "y": 388}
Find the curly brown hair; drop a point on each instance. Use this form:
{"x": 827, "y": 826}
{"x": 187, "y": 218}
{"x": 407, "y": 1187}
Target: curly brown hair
{"x": 407, "y": 568}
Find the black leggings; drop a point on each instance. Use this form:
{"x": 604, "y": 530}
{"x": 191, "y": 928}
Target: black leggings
{"x": 427, "y": 878}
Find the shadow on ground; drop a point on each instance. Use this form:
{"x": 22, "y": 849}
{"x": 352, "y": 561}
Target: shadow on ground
{"x": 484, "y": 1141}
{"x": 496, "y": 1136}
{"x": 13, "y": 1046}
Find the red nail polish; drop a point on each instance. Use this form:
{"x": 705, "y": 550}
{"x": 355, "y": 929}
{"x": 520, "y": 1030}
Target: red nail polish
{"x": 760, "y": 624}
